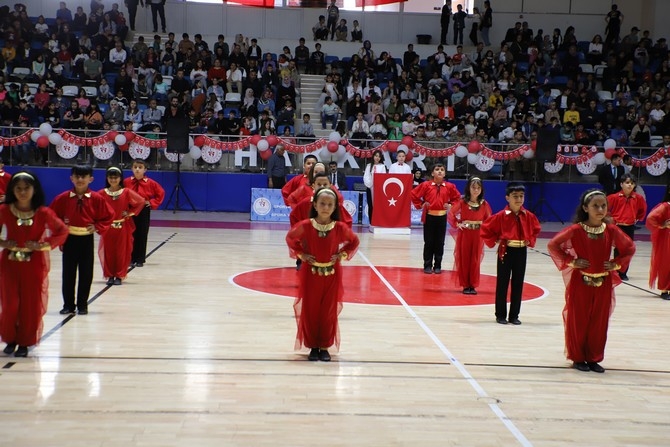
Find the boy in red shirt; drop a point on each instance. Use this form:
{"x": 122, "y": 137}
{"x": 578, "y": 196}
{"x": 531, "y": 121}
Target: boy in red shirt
{"x": 514, "y": 229}
{"x": 153, "y": 195}
{"x": 84, "y": 212}
{"x": 436, "y": 198}
{"x": 626, "y": 208}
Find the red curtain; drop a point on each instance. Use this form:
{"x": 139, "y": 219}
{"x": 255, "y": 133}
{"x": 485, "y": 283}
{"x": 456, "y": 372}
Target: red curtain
{"x": 256, "y": 3}
{"x": 360, "y": 3}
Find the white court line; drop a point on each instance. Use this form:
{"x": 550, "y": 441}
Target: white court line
{"x": 454, "y": 361}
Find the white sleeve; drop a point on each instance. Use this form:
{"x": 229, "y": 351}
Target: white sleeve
{"x": 367, "y": 176}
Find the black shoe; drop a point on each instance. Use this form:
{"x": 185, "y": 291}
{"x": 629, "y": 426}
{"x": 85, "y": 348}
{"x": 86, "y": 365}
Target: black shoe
{"x": 593, "y": 366}
{"x": 10, "y": 348}
{"x": 66, "y": 311}
{"x": 581, "y": 366}
{"x": 132, "y": 264}
{"x": 313, "y": 355}
{"x": 665, "y": 295}
{"x": 501, "y": 321}
{"x": 82, "y": 311}
{"x": 473, "y": 291}
{"x": 155, "y": 31}
{"x": 139, "y": 264}
{"x": 117, "y": 281}
{"x": 515, "y": 321}
{"x": 623, "y": 277}
{"x": 324, "y": 356}
{"x": 427, "y": 270}
{"x": 466, "y": 291}
{"x": 21, "y": 352}
{"x": 110, "y": 281}
{"x": 437, "y": 270}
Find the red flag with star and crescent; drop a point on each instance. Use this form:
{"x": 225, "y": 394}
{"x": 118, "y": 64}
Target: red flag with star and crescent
{"x": 392, "y": 200}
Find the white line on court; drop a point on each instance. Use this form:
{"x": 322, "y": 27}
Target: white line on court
{"x": 454, "y": 361}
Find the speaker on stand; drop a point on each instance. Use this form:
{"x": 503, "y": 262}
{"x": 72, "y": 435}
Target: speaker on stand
{"x": 177, "y": 143}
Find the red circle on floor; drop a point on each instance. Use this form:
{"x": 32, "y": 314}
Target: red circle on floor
{"x": 364, "y": 286}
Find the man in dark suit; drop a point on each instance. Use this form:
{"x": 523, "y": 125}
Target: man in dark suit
{"x": 610, "y": 175}
{"x": 337, "y": 178}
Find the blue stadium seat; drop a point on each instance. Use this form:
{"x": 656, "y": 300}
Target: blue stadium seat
{"x": 522, "y": 67}
{"x": 583, "y": 46}
{"x": 103, "y": 107}
{"x": 331, "y": 59}
{"x": 227, "y": 111}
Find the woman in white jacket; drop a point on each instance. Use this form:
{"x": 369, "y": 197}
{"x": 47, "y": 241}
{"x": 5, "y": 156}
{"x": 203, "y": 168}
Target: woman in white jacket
{"x": 377, "y": 166}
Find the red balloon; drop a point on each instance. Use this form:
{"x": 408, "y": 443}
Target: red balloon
{"x": 392, "y": 146}
{"x": 609, "y": 153}
{"x": 407, "y": 141}
{"x": 273, "y": 140}
{"x": 332, "y": 146}
{"x": 265, "y": 154}
{"x": 111, "y": 135}
{"x": 409, "y": 156}
{"x": 199, "y": 140}
{"x": 43, "y": 142}
{"x": 255, "y": 139}
{"x": 533, "y": 144}
{"x": 474, "y": 146}
{"x": 124, "y": 147}
{"x": 130, "y": 136}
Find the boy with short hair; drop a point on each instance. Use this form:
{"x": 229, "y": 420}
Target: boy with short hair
{"x": 153, "y": 194}
{"x": 400, "y": 167}
{"x": 514, "y": 229}
{"x": 84, "y": 212}
{"x": 436, "y": 198}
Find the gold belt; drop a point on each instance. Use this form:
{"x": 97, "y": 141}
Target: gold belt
{"x": 472, "y": 224}
{"x": 516, "y": 244}
{"x": 78, "y": 231}
{"x": 594, "y": 279}
{"x": 323, "y": 268}
{"x": 118, "y": 223}
{"x": 437, "y": 212}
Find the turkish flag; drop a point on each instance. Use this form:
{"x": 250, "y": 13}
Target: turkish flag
{"x": 256, "y": 3}
{"x": 360, "y": 3}
{"x": 392, "y": 200}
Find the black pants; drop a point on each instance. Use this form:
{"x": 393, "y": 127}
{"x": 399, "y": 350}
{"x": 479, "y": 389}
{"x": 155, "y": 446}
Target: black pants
{"x": 512, "y": 264}
{"x": 142, "y": 222}
{"x": 155, "y": 10}
{"x": 77, "y": 255}
{"x": 443, "y": 34}
{"x": 630, "y": 232}
{"x": 278, "y": 182}
{"x": 132, "y": 13}
{"x": 332, "y": 24}
{"x": 368, "y": 197}
{"x": 458, "y": 35}
{"x": 434, "y": 231}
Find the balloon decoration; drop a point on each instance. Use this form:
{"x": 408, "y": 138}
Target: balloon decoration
{"x": 265, "y": 154}
{"x": 332, "y": 146}
{"x": 335, "y": 137}
{"x": 272, "y": 140}
{"x": 55, "y": 139}
{"x": 530, "y": 153}
{"x": 199, "y": 141}
{"x": 263, "y": 146}
{"x": 120, "y": 139}
{"x": 609, "y": 152}
{"x": 43, "y": 142}
{"x": 34, "y": 136}
{"x": 195, "y": 152}
{"x": 472, "y": 158}
{"x": 46, "y": 129}
{"x": 461, "y": 151}
{"x": 609, "y": 144}
{"x": 407, "y": 141}
{"x": 474, "y": 146}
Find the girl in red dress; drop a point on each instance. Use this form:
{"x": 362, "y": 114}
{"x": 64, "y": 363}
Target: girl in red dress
{"x": 322, "y": 242}
{"x": 32, "y": 229}
{"x": 302, "y": 209}
{"x": 465, "y": 218}
{"x": 582, "y": 251}
{"x": 306, "y": 190}
{"x": 116, "y": 245}
{"x": 658, "y": 222}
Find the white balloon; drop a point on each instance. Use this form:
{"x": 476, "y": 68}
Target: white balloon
{"x": 55, "y": 138}
{"x": 263, "y": 145}
{"x": 530, "y": 153}
{"x": 403, "y": 147}
{"x": 341, "y": 153}
{"x": 120, "y": 139}
{"x": 472, "y": 158}
{"x": 461, "y": 151}
{"x": 599, "y": 158}
{"x": 609, "y": 144}
{"x": 46, "y": 129}
{"x": 324, "y": 154}
{"x": 334, "y": 136}
{"x": 191, "y": 143}
{"x": 195, "y": 152}
{"x": 34, "y": 136}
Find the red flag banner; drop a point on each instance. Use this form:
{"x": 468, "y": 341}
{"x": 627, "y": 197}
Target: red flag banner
{"x": 256, "y": 3}
{"x": 392, "y": 200}
{"x": 360, "y": 3}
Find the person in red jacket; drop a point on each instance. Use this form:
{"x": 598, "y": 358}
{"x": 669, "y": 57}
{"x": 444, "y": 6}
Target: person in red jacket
{"x": 513, "y": 229}
{"x": 626, "y": 208}
{"x": 84, "y": 212}
{"x": 658, "y": 222}
{"x": 5, "y": 177}
{"x": 153, "y": 194}
{"x": 583, "y": 253}
{"x": 31, "y": 231}
{"x": 436, "y": 198}
{"x": 299, "y": 180}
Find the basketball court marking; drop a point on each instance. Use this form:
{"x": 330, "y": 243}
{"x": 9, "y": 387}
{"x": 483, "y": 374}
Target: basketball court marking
{"x": 454, "y": 361}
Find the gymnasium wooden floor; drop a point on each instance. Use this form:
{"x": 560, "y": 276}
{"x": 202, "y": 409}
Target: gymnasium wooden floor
{"x": 180, "y": 355}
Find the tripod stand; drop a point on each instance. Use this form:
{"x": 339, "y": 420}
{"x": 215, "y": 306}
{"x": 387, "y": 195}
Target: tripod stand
{"x": 177, "y": 189}
{"x": 537, "y": 208}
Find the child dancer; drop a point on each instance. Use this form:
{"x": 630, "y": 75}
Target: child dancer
{"x": 302, "y": 209}
{"x": 306, "y": 189}
{"x": 153, "y": 195}
{"x": 658, "y": 222}
{"x": 626, "y": 208}
{"x": 514, "y": 229}
{"x": 582, "y": 252}
{"x": 465, "y": 219}
{"x": 299, "y": 180}
{"x": 322, "y": 242}
{"x": 116, "y": 245}
{"x": 436, "y": 198}
{"x": 31, "y": 230}
{"x": 84, "y": 212}
{"x": 5, "y": 177}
